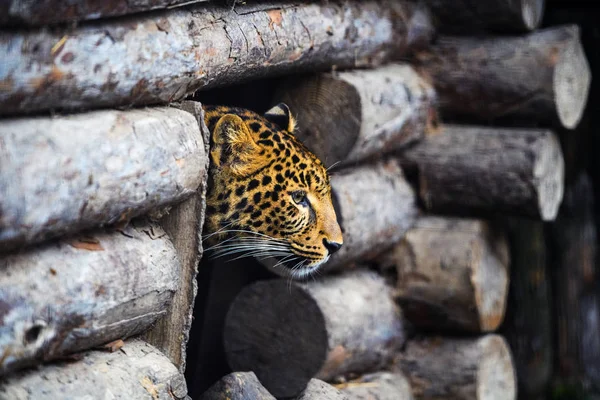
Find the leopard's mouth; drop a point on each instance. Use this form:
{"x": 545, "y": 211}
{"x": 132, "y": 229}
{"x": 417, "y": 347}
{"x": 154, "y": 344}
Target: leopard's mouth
{"x": 297, "y": 267}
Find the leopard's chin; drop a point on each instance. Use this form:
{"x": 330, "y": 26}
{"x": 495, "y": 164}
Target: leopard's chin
{"x": 290, "y": 269}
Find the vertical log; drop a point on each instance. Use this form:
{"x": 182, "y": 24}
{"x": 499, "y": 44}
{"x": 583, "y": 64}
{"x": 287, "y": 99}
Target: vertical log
{"x": 573, "y": 245}
{"x": 527, "y": 326}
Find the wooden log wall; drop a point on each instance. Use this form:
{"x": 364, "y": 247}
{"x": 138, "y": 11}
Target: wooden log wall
{"x": 76, "y": 272}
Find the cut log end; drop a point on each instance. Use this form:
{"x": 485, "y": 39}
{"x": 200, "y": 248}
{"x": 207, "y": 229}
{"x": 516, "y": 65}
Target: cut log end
{"x": 284, "y": 328}
{"x": 549, "y": 169}
{"x": 495, "y": 376}
{"x": 572, "y": 78}
{"x": 532, "y": 12}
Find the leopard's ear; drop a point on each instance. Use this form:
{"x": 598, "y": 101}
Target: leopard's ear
{"x": 282, "y": 116}
{"x": 233, "y": 146}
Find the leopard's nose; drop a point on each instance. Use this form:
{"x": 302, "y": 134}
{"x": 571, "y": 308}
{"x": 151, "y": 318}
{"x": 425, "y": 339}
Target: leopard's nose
{"x": 331, "y": 246}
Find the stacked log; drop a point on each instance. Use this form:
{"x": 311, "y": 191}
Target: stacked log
{"x": 136, "y": 370}
{"x": 160, "y": 58}
{"x": 542, "y": 77}
{"x": 288, "y": 333}
{"x": 451, "y": 274}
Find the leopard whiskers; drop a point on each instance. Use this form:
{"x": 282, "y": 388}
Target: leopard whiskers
{"x": 250, "y": 244}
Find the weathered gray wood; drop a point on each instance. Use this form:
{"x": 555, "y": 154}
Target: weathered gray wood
{"x": 543, "y": 76}
{"x": 452, "y": 274}
{"x": 319, "y": 390}
{"x": 237, "y": 386}
{"x": 527, "y": 326}
{"x": 375, "y": 207}
{"x": 287, "y": 333}
{"x": 489, "y": 170}
{"x": 136, "y": 371}
{"x": 573, "y": 257}
{"x": 37, "y": 12}
{"x": 163, "y": 57}
{"x": 465, "y": 369}
{"x": 369, "y": 112}
{"x": 183, "y": 223}
{"x": 378, "y": 386}
{"x": 83, "y": 291}
{"x": 465, "y": 16}
{"x": 64, "y": 174}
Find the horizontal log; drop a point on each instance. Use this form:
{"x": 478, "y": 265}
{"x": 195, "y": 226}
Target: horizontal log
{"x": 83, "y": 291}
{"x": 369, "y": 112}
{"x": 476, "y": 170}
{"x": 459, "y": 369}
{"x": 65, "y": 174}
{"x": 378, "y": 386}
{"x": 183, "y": 223}
{"x": 237, "y": 386}
{"x": 542, "y": 77}
{"x": 452, "y": 274}
{"x": 136, "y": 371}
{"x": 468, "y": 17}
{"x": 288, "y": 333}
{"x": 163, "y": 57}
{"x": 319, "y": 390}
{"x": 19, "y": 12}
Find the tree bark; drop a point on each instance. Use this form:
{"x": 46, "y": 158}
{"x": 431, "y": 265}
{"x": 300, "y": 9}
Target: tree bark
{"x": 319, "y": 390}
{"x": 473, "y": 170}
{"x": 238, "y": 386}
{"x": 573, "y": 246}
{"x": 473, "y": 17}
{"x": 163, "y": 57}
{"x": 183, "y": 223}
{"x": 61, "y": 175}
{"x": 378, "y": 386}
{"x": 465, "y": 369}
{"x": 369, "y": 112}
{"x": 288, "y": 333}
{"x": 452, "y": 274}
{"x": 527, "y": 326}
{"x": 84, "y": 291}
{"x": 543, "y": 76}
{"x": 136, "y": 371}
{"x": 28, "y": 12}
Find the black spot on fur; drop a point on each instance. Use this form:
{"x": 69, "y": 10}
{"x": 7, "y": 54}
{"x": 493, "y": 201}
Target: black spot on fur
{"x": 266, "y": 180}
{"x": 256, "y": 214}
{"x": 253, "y": 184}
{"x": 255, "y": 126}
{"x": 279, "y": 178}
{"x": 278, "y": 167}
{"x": 265, "y": 205}
{"x": 239, "y": 191}
{"x": 266, "y": 142}
{"x": 295, "y": 159}
{"x": 241, "y": 204}
{"x": 257, "y": 197}
{"x": 223, "y": 208}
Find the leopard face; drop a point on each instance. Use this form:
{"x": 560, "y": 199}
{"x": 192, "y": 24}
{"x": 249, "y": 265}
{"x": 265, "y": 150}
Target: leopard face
{"x": 268, "y": 195}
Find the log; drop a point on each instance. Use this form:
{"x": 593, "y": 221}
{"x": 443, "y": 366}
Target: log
{"x": 65, "y": 174}
{"x": 452, "y": 274}
{"x": 237, "y": 386}
{"x": 288, "y": 333}
{"x": 573, "y": 258}
{"x": 84, "y": 291}
{"x": 476, "y": 17}
{"x": 465, "y": 369}
{"x": 163, "y": 57}
{"x": 543, "y": 76}
{"x": 527, "y": 326}
{"x": 476, "y": 170}
{"x": 183, "y": 223}
{"x": 24, "y": 12}
{"x": 369, "y": 112}
{"x": 136, "y": 371}
{"x": 319, "y": 390}
{"x": 378, "y": 386}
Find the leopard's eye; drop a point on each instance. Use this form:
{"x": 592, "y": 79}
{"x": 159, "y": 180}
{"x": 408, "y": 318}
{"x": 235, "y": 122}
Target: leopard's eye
{"x": 299, "y": 197}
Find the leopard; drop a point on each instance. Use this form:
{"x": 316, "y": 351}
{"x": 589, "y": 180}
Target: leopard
{"x": 268, "y": 196}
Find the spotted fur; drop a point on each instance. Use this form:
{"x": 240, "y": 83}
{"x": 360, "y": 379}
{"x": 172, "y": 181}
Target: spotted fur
{"x": 268, "y": 196}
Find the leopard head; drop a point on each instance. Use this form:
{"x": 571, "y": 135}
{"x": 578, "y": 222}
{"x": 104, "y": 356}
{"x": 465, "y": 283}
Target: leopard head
{"x": 268, "y": 195}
